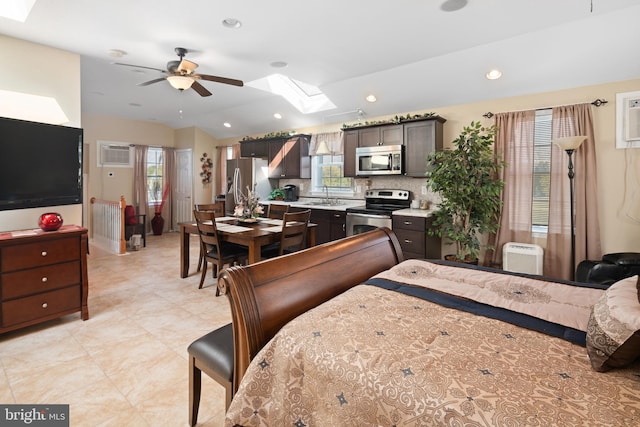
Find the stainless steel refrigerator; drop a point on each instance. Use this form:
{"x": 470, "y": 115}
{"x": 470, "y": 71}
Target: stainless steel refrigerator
{"x": 244, "y": 172}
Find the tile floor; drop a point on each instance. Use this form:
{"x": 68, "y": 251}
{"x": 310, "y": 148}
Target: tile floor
{"x": 127, "y": 365}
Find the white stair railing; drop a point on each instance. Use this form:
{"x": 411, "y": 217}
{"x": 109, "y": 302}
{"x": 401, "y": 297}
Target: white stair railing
{"x": 107, "y": 224}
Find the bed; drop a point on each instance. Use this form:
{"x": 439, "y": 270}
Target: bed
{"x": 350, "y": 334}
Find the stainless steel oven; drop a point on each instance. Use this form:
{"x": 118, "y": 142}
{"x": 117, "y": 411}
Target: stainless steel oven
{"x": 361, "y": 222}
{"x": 378, "y": 210}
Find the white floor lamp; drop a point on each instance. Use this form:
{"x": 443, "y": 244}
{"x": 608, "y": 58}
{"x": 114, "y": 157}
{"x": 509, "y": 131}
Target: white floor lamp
{"x": 570, "y": 144}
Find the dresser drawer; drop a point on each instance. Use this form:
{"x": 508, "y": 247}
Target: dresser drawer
{"x": 408, "y": 223}
{"x": 41, "y": 305}
{"x": 45, "y": 252}
{"x": 40, "y": 279}
{"x": 411, "y": 241}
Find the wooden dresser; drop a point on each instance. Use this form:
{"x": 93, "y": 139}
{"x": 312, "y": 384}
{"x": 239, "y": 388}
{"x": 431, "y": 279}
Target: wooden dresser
{"x": 43, "y": 275}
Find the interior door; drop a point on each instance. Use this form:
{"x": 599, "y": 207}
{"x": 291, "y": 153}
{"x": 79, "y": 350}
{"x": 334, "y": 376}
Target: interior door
{"x": 184, "y": 187}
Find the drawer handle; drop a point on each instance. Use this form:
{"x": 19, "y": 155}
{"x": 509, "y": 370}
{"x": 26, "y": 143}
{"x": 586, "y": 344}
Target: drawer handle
{"x": 45, "y": 305}
{"x": 44, "y": 279}
{"x": 408, "y": 241}
{"x": 44, "y": 253}
{"x": 408, "y": 223}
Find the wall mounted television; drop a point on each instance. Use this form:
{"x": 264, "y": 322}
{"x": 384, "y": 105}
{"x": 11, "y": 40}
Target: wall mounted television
{"x": 40, "y": 164}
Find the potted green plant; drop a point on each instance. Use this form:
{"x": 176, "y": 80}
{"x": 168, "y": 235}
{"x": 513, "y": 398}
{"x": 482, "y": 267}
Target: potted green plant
{"x": 276, "y": 194}
{"x": 467, "y": 179}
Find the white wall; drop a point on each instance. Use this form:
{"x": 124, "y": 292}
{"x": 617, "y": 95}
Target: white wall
{"x": 43, "y": 71}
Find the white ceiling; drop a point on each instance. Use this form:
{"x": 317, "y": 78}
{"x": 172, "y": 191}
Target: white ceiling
{"x": 412, "y": 55}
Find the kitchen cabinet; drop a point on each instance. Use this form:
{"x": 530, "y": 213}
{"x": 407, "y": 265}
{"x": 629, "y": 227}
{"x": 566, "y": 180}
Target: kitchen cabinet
{"x": 414, "y": 240}
{"x": 350, "y": 140}
{"x": 331, "y": 224}
{"x": 43, "y": 276}
{"x": 380, "y": 135}
{"x": 421, "y": 139}
{"x": 289, "y": 158}
{"x": 254, "y": 148}
{"x": 338, "y": 225}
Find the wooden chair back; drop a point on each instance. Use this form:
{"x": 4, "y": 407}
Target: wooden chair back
{"x": 277, "y": 210}
{"x": 217, "y": 207}
{"x": 294, "y": 230}
{"x": 207, "y": 231}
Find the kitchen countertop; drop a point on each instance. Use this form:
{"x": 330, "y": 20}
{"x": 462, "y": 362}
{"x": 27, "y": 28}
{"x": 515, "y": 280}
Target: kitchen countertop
{"x": 315, "y": 203}
{"x": 424, "y": 213}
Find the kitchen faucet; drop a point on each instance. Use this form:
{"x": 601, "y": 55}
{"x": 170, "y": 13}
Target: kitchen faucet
{"x": 326, "y": 192}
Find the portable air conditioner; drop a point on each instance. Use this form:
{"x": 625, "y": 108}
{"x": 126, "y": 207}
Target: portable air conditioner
{"x": 522, "y": 258}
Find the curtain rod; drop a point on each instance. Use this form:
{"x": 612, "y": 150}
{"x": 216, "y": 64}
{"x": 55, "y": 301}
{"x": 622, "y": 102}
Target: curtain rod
{"x": 598, "y": 103}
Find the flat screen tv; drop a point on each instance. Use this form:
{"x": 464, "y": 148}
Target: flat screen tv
{"x": 40, "y": 164}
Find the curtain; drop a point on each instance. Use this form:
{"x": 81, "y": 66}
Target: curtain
{"x": 140, "y": 180}
{"x": 334, "y": 141}
{"x": 221, "y": 173}
{"x": 168, "y": 177}
{"x": 572, "y": 120}
{"x": 515, "y": 145}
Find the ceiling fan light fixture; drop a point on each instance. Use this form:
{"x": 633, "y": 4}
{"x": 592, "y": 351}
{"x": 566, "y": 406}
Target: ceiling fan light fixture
{"x": 180, "y": 82}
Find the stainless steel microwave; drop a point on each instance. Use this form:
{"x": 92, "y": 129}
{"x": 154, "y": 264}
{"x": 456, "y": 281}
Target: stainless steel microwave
{"x": 380, "y": 160}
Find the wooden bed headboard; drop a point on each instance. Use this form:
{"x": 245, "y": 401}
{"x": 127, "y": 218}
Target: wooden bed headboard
{"x": 266, "y": 295}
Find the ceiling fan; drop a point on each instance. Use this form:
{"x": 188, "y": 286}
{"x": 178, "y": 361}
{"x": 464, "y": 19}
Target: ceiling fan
{"x": 181, "y": 75}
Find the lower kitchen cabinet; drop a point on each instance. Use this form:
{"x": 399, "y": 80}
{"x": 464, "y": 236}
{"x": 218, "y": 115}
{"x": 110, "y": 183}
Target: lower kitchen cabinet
{"x": 331, "y": 224}
{"x": 412, "y": 235}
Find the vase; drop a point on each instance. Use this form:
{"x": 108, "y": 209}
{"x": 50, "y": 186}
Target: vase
{"x": 50, "y": 221}
{"x": 157, "y": 224}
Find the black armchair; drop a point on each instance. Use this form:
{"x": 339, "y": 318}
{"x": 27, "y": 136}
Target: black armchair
{"x": 135, "y": 224}
{"x": 610, "y": 269}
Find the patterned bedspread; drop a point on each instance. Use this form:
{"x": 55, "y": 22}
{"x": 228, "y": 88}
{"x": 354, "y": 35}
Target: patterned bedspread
{"x": 379, "y": 357}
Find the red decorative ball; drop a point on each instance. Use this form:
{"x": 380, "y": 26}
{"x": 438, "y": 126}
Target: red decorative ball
{"x": 50, "y": 221}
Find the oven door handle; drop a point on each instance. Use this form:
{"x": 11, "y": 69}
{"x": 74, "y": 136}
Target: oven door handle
{"x": 363, "y": 215}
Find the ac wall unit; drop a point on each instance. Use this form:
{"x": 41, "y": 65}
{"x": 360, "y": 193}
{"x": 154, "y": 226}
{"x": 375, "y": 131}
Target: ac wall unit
{"x": 522, "y": 258}
{"x": 115, "y": 155}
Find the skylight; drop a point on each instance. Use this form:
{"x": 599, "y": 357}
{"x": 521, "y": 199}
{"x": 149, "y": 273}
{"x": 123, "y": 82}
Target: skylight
{"x": 305, "y": 97}
{"x": 18, "y": 10}
{"x": 35, "y": 108}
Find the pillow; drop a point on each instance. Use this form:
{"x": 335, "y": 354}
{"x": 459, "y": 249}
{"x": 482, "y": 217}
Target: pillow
{"x": 613, "y": 331}
{"x": 130, "y": 217}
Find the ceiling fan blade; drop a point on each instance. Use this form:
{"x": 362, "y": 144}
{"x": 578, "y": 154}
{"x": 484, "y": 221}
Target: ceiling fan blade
{"x": 187, "y": 66}
{"x": 218, "y": 79}
{"x": 139, "y": 66}
{"x": 152, "y": 81}
{"x": 202, "y": 91}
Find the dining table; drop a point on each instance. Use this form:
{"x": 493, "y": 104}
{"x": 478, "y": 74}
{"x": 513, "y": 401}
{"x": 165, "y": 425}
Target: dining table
{"x": 253, "y": 235}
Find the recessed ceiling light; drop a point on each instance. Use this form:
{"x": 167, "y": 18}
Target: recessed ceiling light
{"x": 227, "y": 124}
{"x": 371, "y": 98}
{"x": 231, "y": 23}
{"x": 278, "y": 64}
{"x": 494, "y": 74}
{"x": 117, "y": 53}
{"x": 135, "y": 104}
{"x": 277, "y": 115}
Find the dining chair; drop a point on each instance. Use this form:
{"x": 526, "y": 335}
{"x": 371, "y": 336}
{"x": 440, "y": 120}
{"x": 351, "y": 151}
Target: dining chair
{"x": 217, "y": 252}
{"x": 213, "y": 355}
{"x": 294, "y": 232}
{"x": 218, "y": 209}
{"x": 277, "y": 210}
